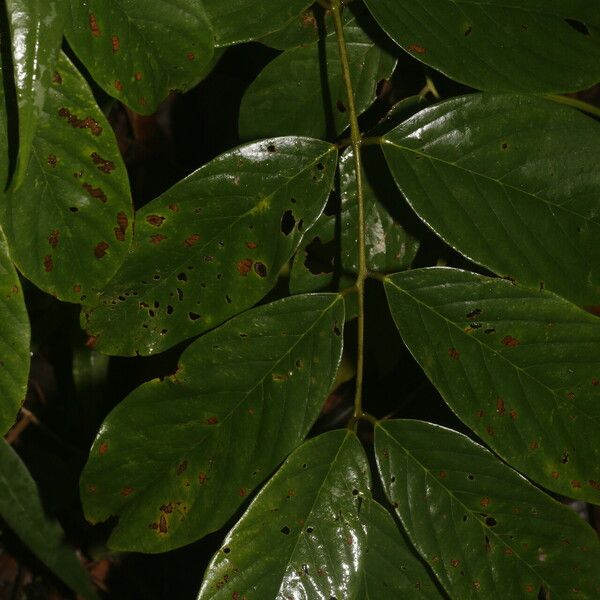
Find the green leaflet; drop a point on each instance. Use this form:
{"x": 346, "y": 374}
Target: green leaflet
{"x": 302, "y": 536}
{"x": 213, "y": 245}
{"x": 68, "y": 224}
{"x": 140, "y": 51}
{"x": 14, "y": 341}
{"x": 289, "y": 97}
{"x": 510, "y": 182}
{"x": 513, "y": 45}
{"x": 236, "y": 21}
{"x": 520, "y": 367}
{"x": 484, "y": 530}
{"x": 176, "y": 458}
{"x": 36, "y": 28}
{"x": 21, "y": 508}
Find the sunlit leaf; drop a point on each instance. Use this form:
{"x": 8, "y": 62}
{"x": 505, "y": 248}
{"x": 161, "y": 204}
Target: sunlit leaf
{"x": 302, "y": 536}
{"x": 36, "y": 28}
{"x": 514, "y": 45}
{"x": 236, "y": 21}
{"x": 140, "y": 51}
{"x": 213, "y": 245}
{"x": 22, "y": 509}
{"x": 68, "y": 225}
{"x": 14, "y": 341}
{"x": 289, "y": 97}
{"x": 511, "y": 182}
{"x": 177, "y": 457}
{"x": 520, "y": 367}
{"x": 484, "y": 530}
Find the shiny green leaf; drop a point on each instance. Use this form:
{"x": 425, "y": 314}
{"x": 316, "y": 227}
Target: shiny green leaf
{"x": 389, "y": 247}
{"x": 22, "y": 509}
{"x": 391, "y": 568}
{"x": 520, "y": 367}
{"x": 484, "y": 530}
{"x": 288, "y": 97}
{"x": 236, "y": 21}
{"x": 14, "y": 341}
{"x": 511, "y": 182}
{"x": 302, "y": 536}
{"x": 513, "y": 45}
{"x": 213, "y": 245}
{"x": 36, "y": 28}
{"x": 177, "y": 457}
{"x": 68, "y": 224}
{"x": 140, "y": 51}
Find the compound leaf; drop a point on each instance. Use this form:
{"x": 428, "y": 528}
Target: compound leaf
{"x": 140, "y": 51}
{"x": 67, "y": 225}
{"x": 14, "y": 340}
{"x": 36, "y": 28}
{"x": 177, "y": 457}
{"x": 510, "y": 182}
{"x": 513, "y": 45}
{"x": 484, "y": 530}
{"x": 22, "y": 509}
{"x": 213, "y": 245}
{"x": 302, "y": 536}
{"x": 520, "y": 367}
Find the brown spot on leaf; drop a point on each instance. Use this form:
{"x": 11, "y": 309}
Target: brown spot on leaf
{"x": 500, "y": 406}
{"x": 116, "y": 45}
{"x": 242, "y": 492}
{"x": 126, "y": 491}
{"x": 455, "y": 562}
{"x": 122, "y": 221}
{"x": 212, "y": 421}
{"x": 508, "y": 552}
{"x": 77, "y": 288}
{"x": 91, "y": 341}
{"x": 94, "y": 25}
{"x": 103, "y": 448}
{"x": 417, "y": 49}
{"x": 202, "y": 478}
{"x": 479, "y": 414}
{"x": 48, "y": 264}
{"x": 52, "y": 160}
{"x": 571, "y": 395}
{"x": 529, "y": 589}
{"x": 442, "y": 474}
{"x": 490, "y": 431}
{"x": 100, "y": 250}
{"x": 191, "y": 240}
{"x": 485, "y": 502}
{"x": 53, "y": 238}
{"x": 243, "y": 267}
{"x": 91, "y": 488}
{"x": 513, "y": 414}
{"x": 534, "y": 445}
{"x": 190, "y": 56}
{"x": 162, "y": 524}
{"x": 173, "y": 207}
{"x": 453, "y": 353}
{"x": 510, "y": 341}
{"x": 95, "y": 192}
{"x": 594, "y": 484}
{"x": 555, "y": 474}
{"x": 56, "y": 78}
{"x": 106, "y": 166}
{"x": 167, "y": 508}
{"x": 137, "y": 76}
{"x": 251, "y": 245}
{"x": 155, "y": 220}
{"x": 118, "y": 85}
{"x": 77, "y": 123}
{"x": 157, "y": 238}
{"x": 181, "y": 467}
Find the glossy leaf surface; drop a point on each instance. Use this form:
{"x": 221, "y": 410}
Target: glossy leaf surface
{"x": 14, "y": 341}
{"x": 485, "y": 530}
{"x": 389, "y": 246}
{"x": 213, "y": 245}
{"x": 176, "y": 458}
{"x": 236, "y": 21}
{"x": 22, "y": 509}
{"x": 68, "y": 224}
{"x": 391, "y": 568}
{"x": 509, "y": 181}
{"x": 520, "y": 367}
{"x": 302, "y": 536}
{"x": 36, "y": 28}
{"x": 140, "y": 51}
{"x": 513, "y": 45}
{"x": 289, "y": 97}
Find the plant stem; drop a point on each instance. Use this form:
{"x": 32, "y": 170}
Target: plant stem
{"x": 355, "y": 138}
{"x": 365, "y": 141}
{"x": 575, "y": 103}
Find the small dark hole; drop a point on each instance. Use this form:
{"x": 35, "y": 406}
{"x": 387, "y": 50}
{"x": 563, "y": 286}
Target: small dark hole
{"x": 228, "y": 299}
{"x": 156, "y": 277}
{"x": 470, "y": 477}
{"x": 193, "y": 316}
{"x": 288, "y": 221}
{"x": 226, "y": 550}
{"x": 320, "y": 166}
{"x": 490, "y": 330}
{"x": 491, "y": 522}
{"x": 464, "y": 518}
{"x": 309, "y": 530}
{"x": 182, "y": 277}
{"x": 504, "y": 146}
{"x": 355, "y": 492}
{"x": 578, "y": 26}
{"x": 565, "y": 458}
{"x": 169, "y": 309}
{"x": 468, "y": 31}
{"x": 320, "y": 256}
{"x": 73, "y": 209}
{"x": 340, "y": 106}
{"x": 336, "y": 330}
{"x": 474, "y": 313}
{"x": 293, "y": 200}
{"x": 260, "y": 269}
{"x": 285, "y": 530}
{"x": 271, "y": 148}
